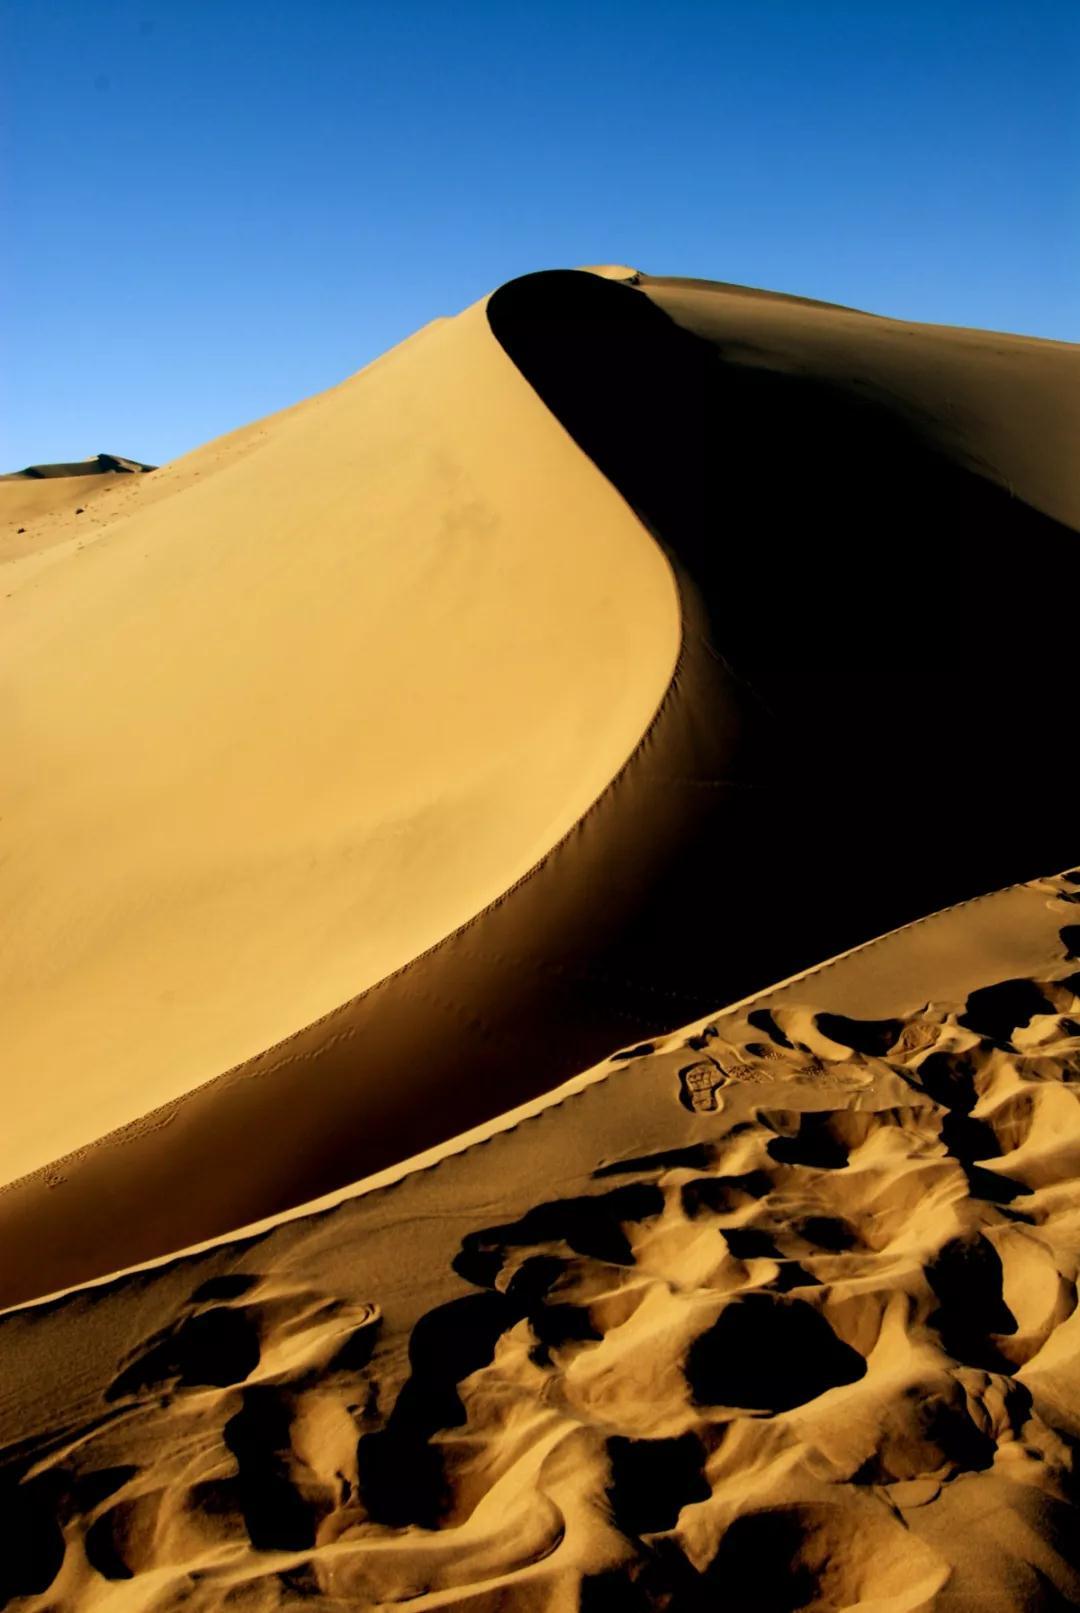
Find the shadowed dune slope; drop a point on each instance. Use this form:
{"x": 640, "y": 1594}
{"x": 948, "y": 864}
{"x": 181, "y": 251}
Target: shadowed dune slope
{"x": 856, "y": 693}
{"x": 777, "y": 1313}
{"x": 859, "y": 570}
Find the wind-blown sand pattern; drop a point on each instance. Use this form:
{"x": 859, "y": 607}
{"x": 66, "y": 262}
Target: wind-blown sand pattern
{"x": 812, "y": 1345}
{"x": 601, "y": 656}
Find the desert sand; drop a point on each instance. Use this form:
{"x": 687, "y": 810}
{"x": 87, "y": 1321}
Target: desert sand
{"x": 596, "y": 658}
{"x": 36, "y": 506}
{"x": 778, "y": 1311}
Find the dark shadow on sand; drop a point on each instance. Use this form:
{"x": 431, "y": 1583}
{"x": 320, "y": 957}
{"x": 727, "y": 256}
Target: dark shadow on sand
{"x": 889, "y": 615}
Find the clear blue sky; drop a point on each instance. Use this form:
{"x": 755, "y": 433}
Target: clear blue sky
{"x": 215, "y": 207}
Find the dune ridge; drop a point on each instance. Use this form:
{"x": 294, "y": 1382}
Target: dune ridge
{"x": 511, "y": 787}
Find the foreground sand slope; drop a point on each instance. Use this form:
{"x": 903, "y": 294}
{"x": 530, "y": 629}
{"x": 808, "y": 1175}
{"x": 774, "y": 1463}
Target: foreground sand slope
{"x": 402, "y": 669}
{"x": 778, "y": 1312}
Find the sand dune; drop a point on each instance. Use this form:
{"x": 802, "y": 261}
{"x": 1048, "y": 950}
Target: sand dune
{"x": 96, "y": 465}
{"x": 617, "y": 649}
{"x": 320, "y": 695}
{"x": 374, "y": 768}
{"x": 777, "y": 1312}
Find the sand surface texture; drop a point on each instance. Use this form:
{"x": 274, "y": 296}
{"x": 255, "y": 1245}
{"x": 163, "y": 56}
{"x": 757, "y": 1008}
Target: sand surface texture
{"x": 777, "y": 1312}
{"x": 607, "y": 652}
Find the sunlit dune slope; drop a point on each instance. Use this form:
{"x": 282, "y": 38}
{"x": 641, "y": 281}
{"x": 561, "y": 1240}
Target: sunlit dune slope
{"x": 36, "y": 505}
{"x": 320, "y": 693}
{"x": 26, "y": 500}
{"x": 290, "y": 733}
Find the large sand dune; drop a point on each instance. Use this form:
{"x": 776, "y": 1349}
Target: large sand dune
{"x": 567, "y": 671}
{"x": 615, "y": 650}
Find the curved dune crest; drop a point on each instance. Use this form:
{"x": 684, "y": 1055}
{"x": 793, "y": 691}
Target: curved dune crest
{"x": 443, "y": 819}
{"x": 277, "y": 733}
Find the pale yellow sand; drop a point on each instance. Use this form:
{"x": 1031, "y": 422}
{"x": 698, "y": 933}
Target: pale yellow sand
{"x": 807, "y": 1341}
{"x": 26, "y": 501}
{"x": 311, "y": 699}
{"x": 43, "y": 520}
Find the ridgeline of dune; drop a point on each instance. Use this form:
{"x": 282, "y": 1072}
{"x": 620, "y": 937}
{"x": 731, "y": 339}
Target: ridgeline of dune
{"x": 279, "y": 729}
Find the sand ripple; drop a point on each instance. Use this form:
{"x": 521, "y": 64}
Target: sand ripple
{"x": 823, "y": 1357}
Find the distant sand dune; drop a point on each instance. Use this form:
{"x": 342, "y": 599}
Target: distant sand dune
{"x": 368, "y": 774}
{"x": 96, "y": 465}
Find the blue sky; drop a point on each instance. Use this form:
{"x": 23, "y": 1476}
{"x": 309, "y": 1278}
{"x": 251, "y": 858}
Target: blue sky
{"x": 216, "y": 207}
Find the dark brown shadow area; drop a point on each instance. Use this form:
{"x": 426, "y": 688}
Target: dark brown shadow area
{"x": 890, "y": 614}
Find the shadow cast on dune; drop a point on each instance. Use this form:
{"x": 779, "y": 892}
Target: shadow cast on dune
{"x": 885, "y": 610}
